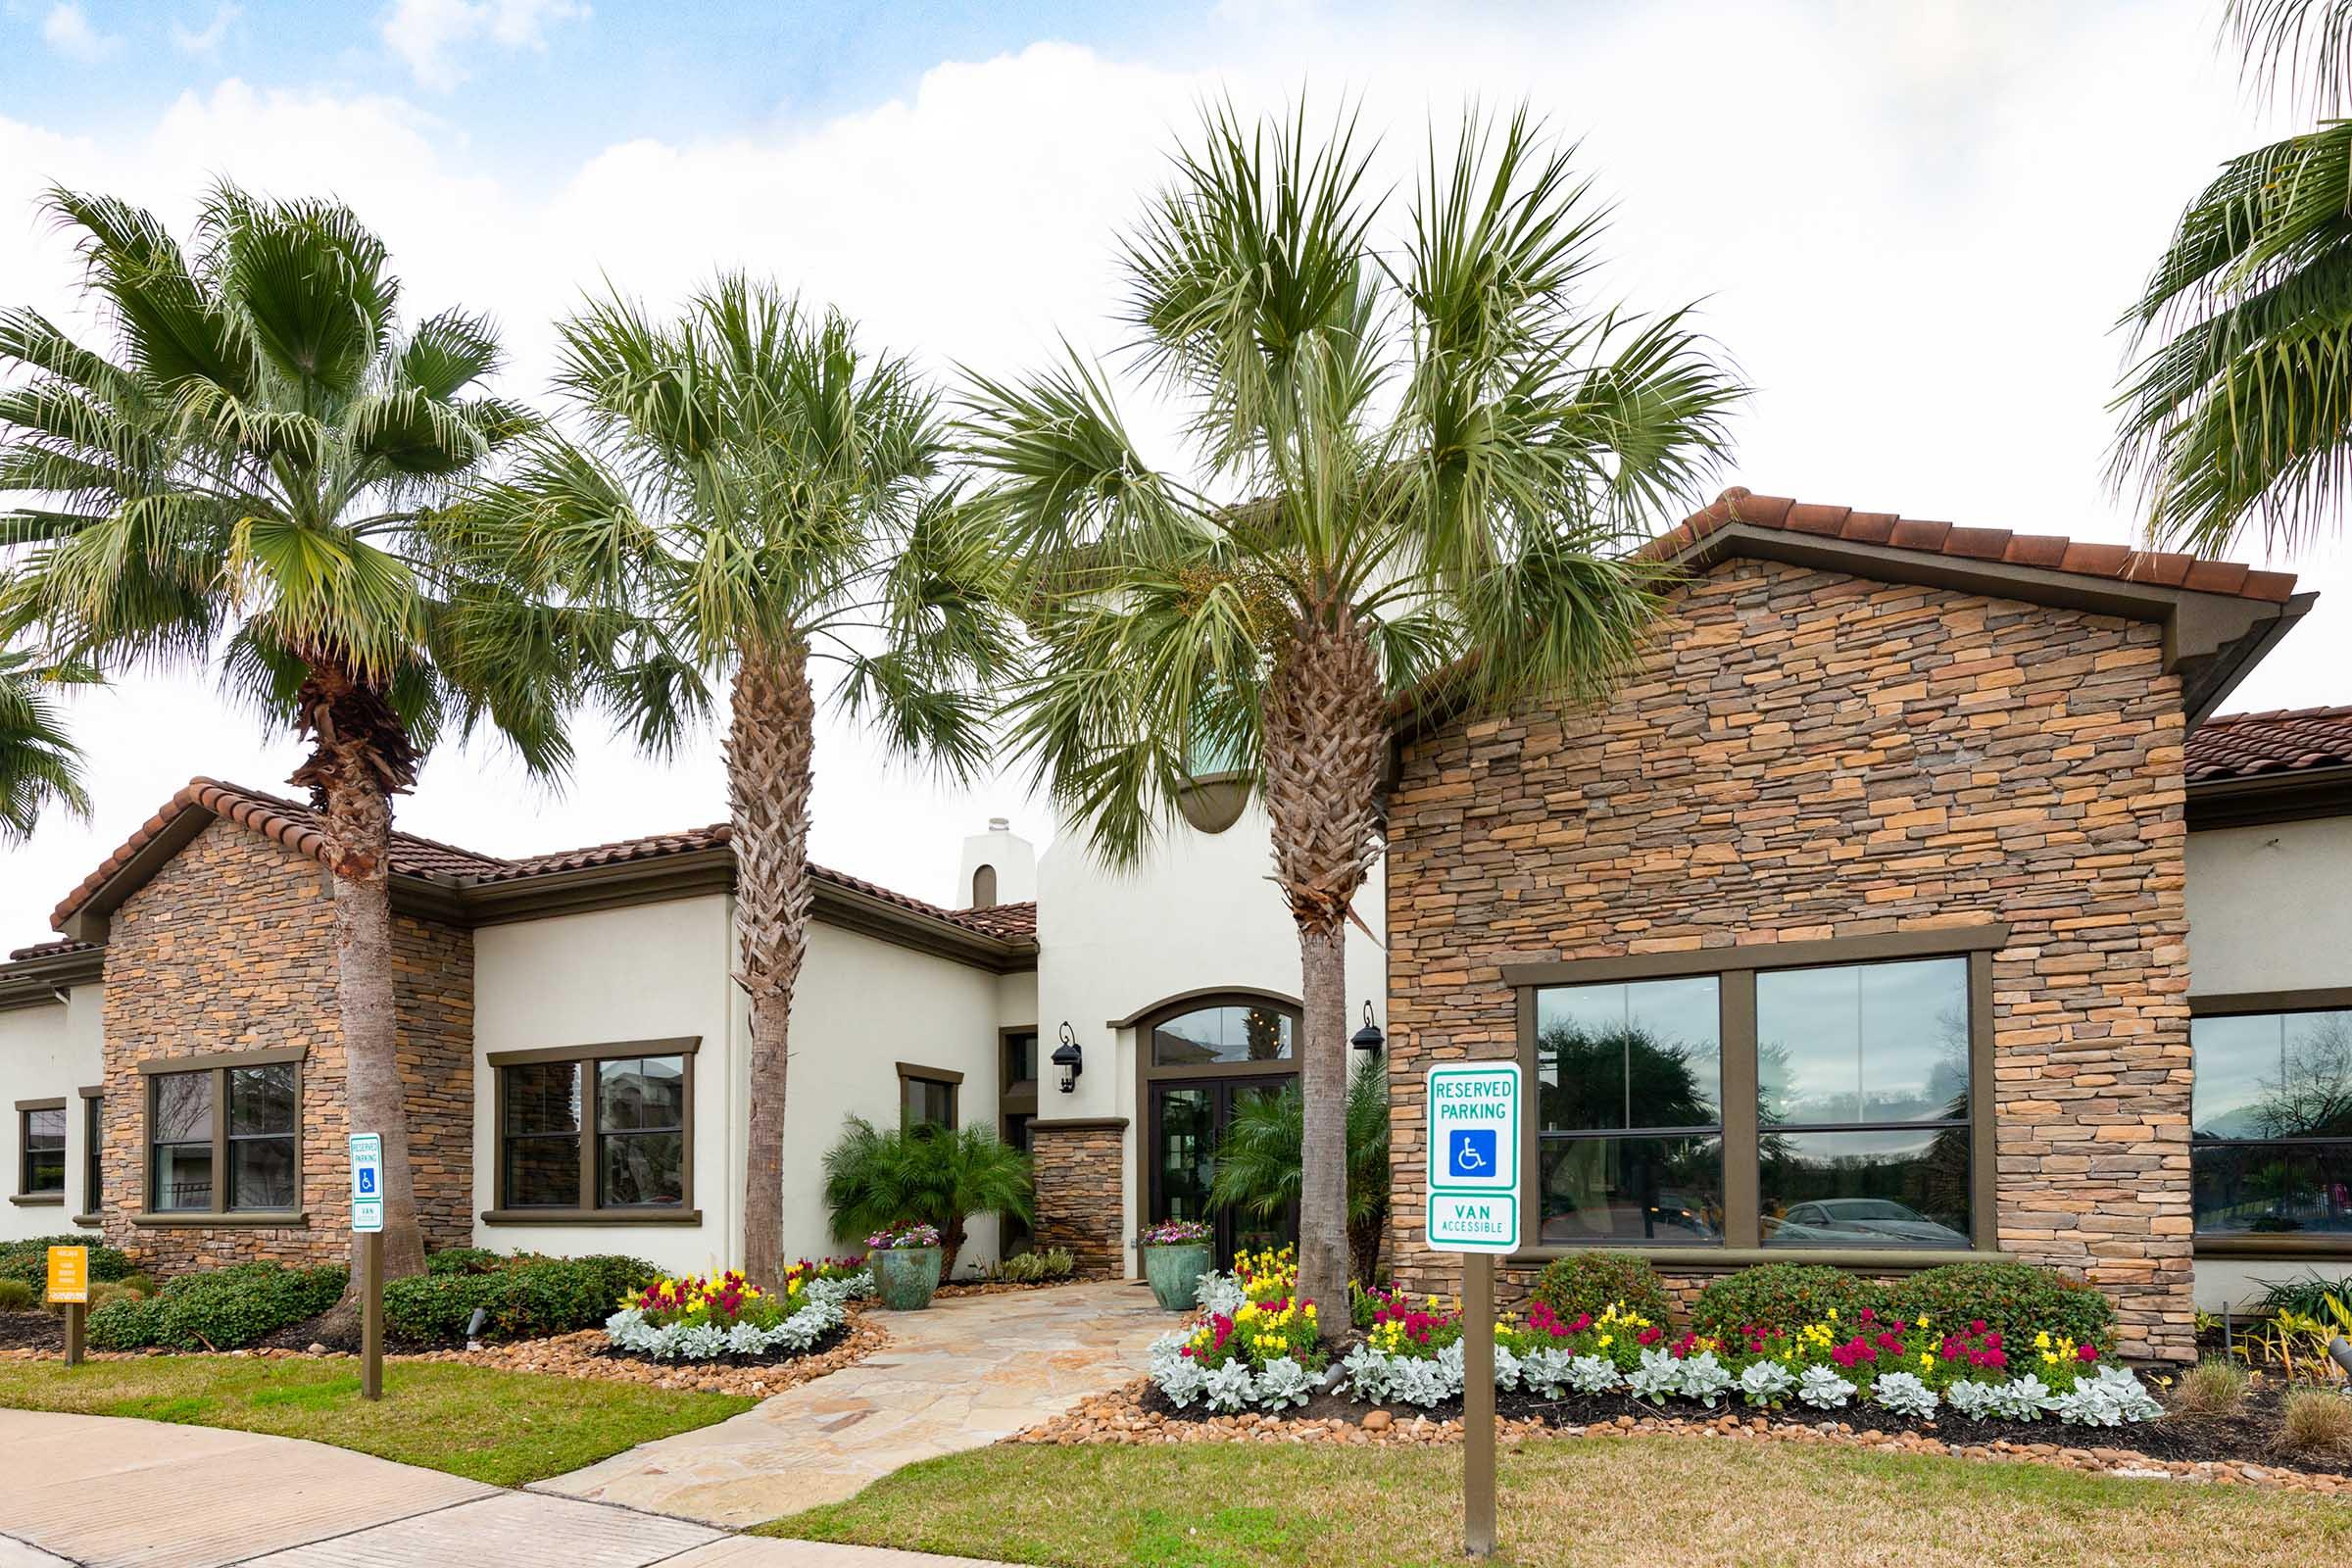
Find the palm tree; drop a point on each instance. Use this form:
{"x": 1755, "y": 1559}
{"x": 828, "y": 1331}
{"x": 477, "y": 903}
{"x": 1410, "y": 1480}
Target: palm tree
{"x": 1410, "y": 461}
{"x": 38, "y": 766}
{"x": 938, "y": 1175}
{"x": 750, "y": 483}
{"x": 1260, "y": 1166}
{"x": 2239, "y": 417}
{"x": 242, "y": 482}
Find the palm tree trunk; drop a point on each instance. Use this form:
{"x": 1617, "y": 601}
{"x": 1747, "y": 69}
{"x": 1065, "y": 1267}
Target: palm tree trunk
{"x": 770, "y": 741}
{"x": 1325, "y": 732}
{"x": 360, "y": 755}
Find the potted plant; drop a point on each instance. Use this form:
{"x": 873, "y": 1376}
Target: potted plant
{"x": 905, "y": 1261}
{"x": 1175, "y": 1256}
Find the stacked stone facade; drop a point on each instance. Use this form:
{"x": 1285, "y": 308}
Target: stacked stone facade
{"x": 1805, "y": 755}
{"x": 1081, "y": 1201}
{"x": 231, "y": 948}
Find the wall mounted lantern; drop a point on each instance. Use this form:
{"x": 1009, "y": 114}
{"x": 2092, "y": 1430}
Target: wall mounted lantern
{"x": 1369, "y": 1037}
{"x": 1069, "y": 1058}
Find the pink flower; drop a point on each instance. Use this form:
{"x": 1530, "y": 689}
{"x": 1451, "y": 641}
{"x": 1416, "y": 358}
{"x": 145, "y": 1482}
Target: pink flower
{"x": 2086, "y": 1353}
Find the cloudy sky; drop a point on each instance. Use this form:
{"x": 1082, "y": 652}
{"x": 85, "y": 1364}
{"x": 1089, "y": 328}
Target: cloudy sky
{"x": 1913, "y": 225}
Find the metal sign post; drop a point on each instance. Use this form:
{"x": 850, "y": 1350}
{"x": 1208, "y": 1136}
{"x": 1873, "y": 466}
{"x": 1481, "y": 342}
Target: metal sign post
{"x": 368, "y": 1224}
{"x": 70, "y": 1288}
{"x": 1473, "y": 1111}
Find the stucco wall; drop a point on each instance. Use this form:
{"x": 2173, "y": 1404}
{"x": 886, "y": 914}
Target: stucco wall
{"x": 2269, "y": 907}
{"x": 1199, "y": 914}
{"x": 48, "y": 1052}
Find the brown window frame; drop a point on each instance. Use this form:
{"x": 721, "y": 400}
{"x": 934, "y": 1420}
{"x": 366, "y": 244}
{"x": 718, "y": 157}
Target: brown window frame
{"x": 942, "y": 1077}
{"x": 1734, "y": 969}
{"x": 2284, "y": 1244}
{"x": 93, "y": 1149}
{"x": 27, "y": 1194}
{"x": 218, "y": 1215}
{"x": 591, "y": 1210}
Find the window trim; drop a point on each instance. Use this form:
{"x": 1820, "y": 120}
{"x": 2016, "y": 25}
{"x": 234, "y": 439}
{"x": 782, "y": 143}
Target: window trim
{"x": 24, "y": 1197}
{"x": 1736, "y": 968}
{"x": 220, "y": 1064}
{"x": 2240, "y": 1004}
{"x": 944, "y": 1077}
{"x": 93, "y": 1172}
{"x": 589, "y": 1212}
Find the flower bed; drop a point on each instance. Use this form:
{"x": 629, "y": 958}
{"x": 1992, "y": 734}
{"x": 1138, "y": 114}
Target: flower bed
{"x": 697, "y": 1319}
{"x": 1254, "y": 1345}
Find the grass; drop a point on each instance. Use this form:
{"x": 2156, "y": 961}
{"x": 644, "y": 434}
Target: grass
{"x": 505, "y": 1428}
{"x": 1619, "y": 1503}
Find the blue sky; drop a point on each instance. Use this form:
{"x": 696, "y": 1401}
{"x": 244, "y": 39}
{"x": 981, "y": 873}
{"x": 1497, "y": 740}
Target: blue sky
{"x": 1912, "y": 225}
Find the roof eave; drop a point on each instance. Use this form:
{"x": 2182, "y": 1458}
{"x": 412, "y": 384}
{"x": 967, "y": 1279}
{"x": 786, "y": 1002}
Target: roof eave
{"x": 38, "y": 982}
{"x": 2287, "y": 795}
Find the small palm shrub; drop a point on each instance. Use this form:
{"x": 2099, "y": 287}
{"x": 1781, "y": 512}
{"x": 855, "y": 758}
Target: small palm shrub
{"x": 1034, "y": 1267}
{"x": 15, "y": 1295}
{"x": 1781, "y": 1298}
{"x": 1588, "y": 1282}
{"x": 217, "y": 1309}
{"x": 2317, "y": 1422}
{"x": 876, "y": 1181}
{"x": 2215, "y": 1387}
{"x": 2017, "y": 1300}
{"x": 2304, "y": 1295}
{"x": 1260, "y": 1160}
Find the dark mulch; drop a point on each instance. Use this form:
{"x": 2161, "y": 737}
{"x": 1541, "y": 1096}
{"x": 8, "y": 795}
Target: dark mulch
{"x": 2249, "y": 1437}
{"x": 336, "y": 1329}
{"x": 35, "y": 1330}
{"x": 612, "y": 1352}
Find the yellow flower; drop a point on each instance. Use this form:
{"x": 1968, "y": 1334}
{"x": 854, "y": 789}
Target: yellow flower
{"x": 2041, "y": 1341}
{"x": 1925, "y": 1358}
{"x": 1606, "y": 1339}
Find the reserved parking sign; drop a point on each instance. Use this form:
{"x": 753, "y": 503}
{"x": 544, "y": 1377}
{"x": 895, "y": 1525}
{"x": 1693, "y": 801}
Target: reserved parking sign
{"x": 1473, "y": 1110}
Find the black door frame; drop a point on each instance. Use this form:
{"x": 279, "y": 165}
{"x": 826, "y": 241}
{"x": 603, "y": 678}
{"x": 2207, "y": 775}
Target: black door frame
{"x": 1221, "y": 1079}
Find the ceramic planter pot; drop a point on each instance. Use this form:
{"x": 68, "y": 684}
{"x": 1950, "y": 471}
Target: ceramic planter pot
{"x": 905, "y": 1276}
{"x": 1175, "y": 1273}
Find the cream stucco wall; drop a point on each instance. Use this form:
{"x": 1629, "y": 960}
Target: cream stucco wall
{"x": 1200, "y": 914}
{"x": 50, "y": 1052}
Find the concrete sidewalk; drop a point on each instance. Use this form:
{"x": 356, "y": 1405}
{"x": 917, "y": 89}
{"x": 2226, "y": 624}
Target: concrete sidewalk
{"x": 109, "y": 1493}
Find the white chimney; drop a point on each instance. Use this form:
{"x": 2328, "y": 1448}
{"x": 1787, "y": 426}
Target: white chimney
{"x": 1000, "y": 866}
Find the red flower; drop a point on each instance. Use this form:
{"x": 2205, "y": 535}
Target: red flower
{"x": 2086, "y": 1353}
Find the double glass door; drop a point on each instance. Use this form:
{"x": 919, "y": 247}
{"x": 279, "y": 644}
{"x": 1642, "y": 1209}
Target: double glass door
{"x": 1189, "y": 1119}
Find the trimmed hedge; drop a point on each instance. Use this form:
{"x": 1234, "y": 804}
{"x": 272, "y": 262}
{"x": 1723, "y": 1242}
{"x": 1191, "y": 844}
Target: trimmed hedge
{"x": 28, "y": 1260}
{"x": 1588, "y": 1282}
{"x": 219, "y": 1309}
{"x": 17, "y": 1296}
{"x": 527, "y": 1296}
{"x": 2019, "y": 1300}
{"x": 1781, "y": 1298}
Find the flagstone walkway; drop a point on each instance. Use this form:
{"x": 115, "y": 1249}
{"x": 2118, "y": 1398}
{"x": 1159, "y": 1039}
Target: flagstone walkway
{"x": 962, "y": 1375}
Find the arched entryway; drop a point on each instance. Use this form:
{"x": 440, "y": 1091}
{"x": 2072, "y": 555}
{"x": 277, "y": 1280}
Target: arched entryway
{"x": 1199, "y": 1058}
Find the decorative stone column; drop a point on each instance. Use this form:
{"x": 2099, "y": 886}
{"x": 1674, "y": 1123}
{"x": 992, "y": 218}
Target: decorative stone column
{"x": 1081, "y": 1191}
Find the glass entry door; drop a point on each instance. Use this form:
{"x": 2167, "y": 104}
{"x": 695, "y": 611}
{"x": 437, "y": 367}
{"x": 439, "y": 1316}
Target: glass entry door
{"x": 1188, "y": 1122}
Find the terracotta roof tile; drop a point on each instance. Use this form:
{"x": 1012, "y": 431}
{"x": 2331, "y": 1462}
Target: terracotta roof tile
{"x": 51, "y": 949}
{"x": 2281, "y": 741}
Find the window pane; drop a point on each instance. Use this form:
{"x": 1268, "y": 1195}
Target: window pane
{"x": 543, "y": 1172}
{"x": 260, "y": 1100}
{"x": 1648, "y": 1192}
{"x": 643, "y": 1168}
{"x": 927, "y": 1103}
{"x": 45, "y": 1129}
{"x": 1020, "y": 1058}
{"x": 1187, "y": 1147}
{"x": 1866, "y": 1188}
{"x": 1647, "y": 1054}
{"x": 2273, "y": 1075}
{"x": 261, "y": 1173}
{"x": 183, "y": 1176}
{"x": 93, "y": 1145}
{"x": 183, "y": 1107}
{"x": 642, "y": 1094}
{"x": 1862, "y": 1043}
{"x": 544, "y": 1097}
{"x": 1222, "y": 1034}
{"x": 2272, "y": 1188}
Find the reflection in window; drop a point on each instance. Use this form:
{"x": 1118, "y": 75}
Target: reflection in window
{"x": 1629, "y": 1092}
{"x": 541, "y": 1139}
{"x": 926, "y": 1103}
{"x": 1227, "y": 1033}
{"x": 2270, "y": 1123}
{"x": 181, "y": 1135}
{"x": 1862, "y": 1105}
{"x": 636, "y": 1151}
{"x": 641, "y": 1132}
{"x": 41, "y": 1146}
{"x": 261, "y": 1137}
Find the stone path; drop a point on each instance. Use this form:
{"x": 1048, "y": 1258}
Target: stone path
{"x": 959, "y": 1376}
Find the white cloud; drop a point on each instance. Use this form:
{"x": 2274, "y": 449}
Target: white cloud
{"x": 68, "y": 31}
{"x": 206, "y": 39}
{"x": 434, "y": 35}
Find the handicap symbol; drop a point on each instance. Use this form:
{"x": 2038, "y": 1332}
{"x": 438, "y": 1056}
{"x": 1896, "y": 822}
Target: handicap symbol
{"x": 367, "y": 1181}
{"x": 1473, "y": 1153}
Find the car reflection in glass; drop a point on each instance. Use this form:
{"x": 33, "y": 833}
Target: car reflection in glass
{"x": 1833, "y": 1220}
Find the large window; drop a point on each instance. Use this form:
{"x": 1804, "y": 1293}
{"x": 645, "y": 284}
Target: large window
{"x": 2271, "y": 1124}
{"x": 1793, "y": 1102}
{"x": 1223, "y": 1034}
{"x": 41, "y": 1151}
{"x": 223, "y": 1138}
{"x": 606, "y": 1132}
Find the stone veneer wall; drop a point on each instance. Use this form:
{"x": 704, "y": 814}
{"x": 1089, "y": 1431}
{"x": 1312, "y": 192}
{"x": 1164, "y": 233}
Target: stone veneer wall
{"x": 1081, "y": 1196}
{"x": 1802, "y": 756}
{"x": 231, "y": 946}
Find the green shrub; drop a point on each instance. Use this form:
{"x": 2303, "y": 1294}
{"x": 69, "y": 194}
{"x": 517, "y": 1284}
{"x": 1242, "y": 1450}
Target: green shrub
{"x": 2216, "y": 1387}
{"x": 126, "y": 1325}
{"x": 465, "y": 1260}
{"x": 142, "y": 1282}
{"x": 1033, "y": 1267}
{"x": 217, "y": 1309}
{"x": 2304, "y": 1295}
{"x": 28, "y": 1260}
{"x": 528, "y": 1297}
{"x": 2019, "y": 1299}
{"x": 15, "y": 1295}
{"x": 1781, "y": 1296}
{"x": 1588, "y": 1282}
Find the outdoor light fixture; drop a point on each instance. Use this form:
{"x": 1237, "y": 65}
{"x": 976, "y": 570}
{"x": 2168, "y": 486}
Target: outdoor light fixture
{"x": 1069, "y": 1058}
{"x": 1369, "y": 1037}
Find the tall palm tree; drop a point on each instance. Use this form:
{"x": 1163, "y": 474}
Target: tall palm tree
{"x": 241, "y": 481}
{"x": 39, "y": 766}
{"x": 750, "y": 483}
{"x": 2238, "y": 418}
{"x": 1405, "y": 462}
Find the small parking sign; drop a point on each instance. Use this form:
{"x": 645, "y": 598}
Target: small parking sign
{"x": 1474, "y": 1156}
{"x": 367, "y": 1182}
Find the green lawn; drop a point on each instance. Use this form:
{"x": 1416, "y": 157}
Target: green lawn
{"x": 505, "y": 1428}
{"x": 1619, "y": 1503}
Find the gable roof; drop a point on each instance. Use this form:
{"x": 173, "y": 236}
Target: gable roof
{"x": 457, "y": 871}
{"x": 2285, "y": 740}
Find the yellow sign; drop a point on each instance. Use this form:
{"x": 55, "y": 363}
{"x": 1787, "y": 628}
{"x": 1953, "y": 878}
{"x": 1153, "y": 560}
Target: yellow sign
{"x": 69, "y": 1274}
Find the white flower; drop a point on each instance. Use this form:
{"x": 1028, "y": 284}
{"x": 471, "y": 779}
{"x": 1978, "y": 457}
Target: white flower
{"x": 1230, "y": 1386}
{"x": 1766, "y": 1382}
{"x": 1904, "y": 1394}
{"x": 1658, "y": 1376}
{"x": 1824, "y": 1389}
{"x": 1595, "y": 1374}
{"x": 1284, "y": 1382}
{"x": 1704, "y": 1378}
